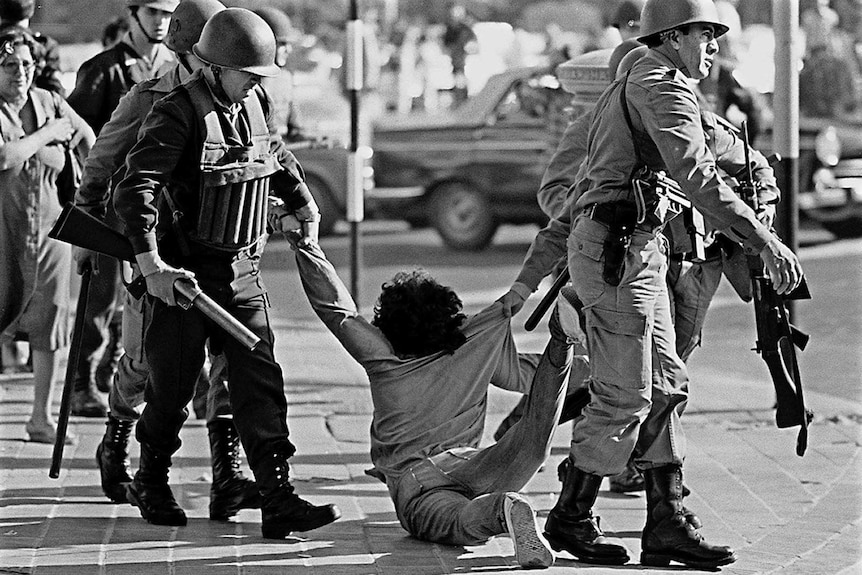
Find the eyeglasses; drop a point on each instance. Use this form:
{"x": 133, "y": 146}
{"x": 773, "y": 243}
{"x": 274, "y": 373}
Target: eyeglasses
{"x": 10, "y": 67}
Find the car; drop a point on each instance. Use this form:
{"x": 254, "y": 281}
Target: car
{"x": 831, "y": 174}
{"x": 477, "y": 166}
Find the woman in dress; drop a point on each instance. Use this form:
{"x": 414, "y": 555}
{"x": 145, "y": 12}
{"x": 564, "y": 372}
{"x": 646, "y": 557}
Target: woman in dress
{"x": 36, "y": 129}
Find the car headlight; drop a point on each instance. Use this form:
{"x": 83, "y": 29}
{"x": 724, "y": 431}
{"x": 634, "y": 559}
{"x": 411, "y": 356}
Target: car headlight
{"x": 827, "y": 146}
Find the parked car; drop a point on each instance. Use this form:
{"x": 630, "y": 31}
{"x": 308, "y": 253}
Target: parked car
{"x": 831, "y": 174}
{"x": 475, "y": 167}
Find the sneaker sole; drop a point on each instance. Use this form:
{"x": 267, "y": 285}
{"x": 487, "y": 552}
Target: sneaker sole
{"x": 531, "y": 549}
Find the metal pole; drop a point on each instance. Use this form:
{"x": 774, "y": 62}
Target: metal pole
{"x": 355, "y": 207}
{"x": 785, "y": 129}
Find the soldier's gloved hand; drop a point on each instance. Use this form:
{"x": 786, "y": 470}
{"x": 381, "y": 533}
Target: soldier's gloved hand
{"x": 160, "y": 277}
{"x": 766, "y": 214}
{"x": 783, "y": 266}
{"x": 83, "y": 258}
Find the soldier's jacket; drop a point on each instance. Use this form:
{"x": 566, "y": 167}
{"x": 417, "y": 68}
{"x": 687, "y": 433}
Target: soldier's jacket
{"x": 168, "y": 152}
{"x": 672, "y": 137}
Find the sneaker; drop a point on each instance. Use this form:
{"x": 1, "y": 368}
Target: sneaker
{"x": 531, "y": 549}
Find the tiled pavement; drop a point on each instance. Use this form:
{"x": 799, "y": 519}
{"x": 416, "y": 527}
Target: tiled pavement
{"x": 783, "y": 514}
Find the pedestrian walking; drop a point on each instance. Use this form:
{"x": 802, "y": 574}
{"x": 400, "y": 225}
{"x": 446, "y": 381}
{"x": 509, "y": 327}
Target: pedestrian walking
{"x": 204, "y": 148}
{"x": 618, "y": 257}
{"x": 101, "y": 82}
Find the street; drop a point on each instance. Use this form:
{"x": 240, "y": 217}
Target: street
{"x": 831, "y": 364}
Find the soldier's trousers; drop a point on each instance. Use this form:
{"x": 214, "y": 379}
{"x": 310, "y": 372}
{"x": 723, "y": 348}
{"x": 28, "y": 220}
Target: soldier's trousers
{"x": 126, "y": 397}
{"x": 175, "y": 345}
{"x": 638, "y": 384}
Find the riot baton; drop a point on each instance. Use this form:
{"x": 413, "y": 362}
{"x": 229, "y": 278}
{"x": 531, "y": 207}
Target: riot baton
{"x": 71, "y": 365}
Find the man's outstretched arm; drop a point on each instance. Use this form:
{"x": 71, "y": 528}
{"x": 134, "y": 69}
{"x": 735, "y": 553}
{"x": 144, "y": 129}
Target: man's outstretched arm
{"x": 333, "y": 304}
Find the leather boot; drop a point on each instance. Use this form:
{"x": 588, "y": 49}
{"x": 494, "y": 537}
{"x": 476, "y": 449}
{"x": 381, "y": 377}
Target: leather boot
{"x": 571, "y": 525}
{"x": 667, "y": 535}
{"x": 149, "y": 490}
{"x": 112, "y": 457}
{"x": 107, "y": 368}
{"x": 230, "y": 490}
{"x": 86, "y": 401}
{"x": 283, "y": 510}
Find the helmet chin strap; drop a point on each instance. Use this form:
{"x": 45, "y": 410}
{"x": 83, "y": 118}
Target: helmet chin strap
{"x": 149, "y": 38}
{"x": 217, "y": 88}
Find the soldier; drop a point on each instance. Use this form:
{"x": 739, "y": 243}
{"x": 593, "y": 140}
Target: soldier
{"x": 208, "y": 141}
{"x": 230, "y": 491}
{"x": 101, "y": 82}
{"x": 638, "y": 384}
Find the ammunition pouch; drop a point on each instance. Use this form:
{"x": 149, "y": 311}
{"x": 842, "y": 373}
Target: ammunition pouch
{"x": 232, "y": 216}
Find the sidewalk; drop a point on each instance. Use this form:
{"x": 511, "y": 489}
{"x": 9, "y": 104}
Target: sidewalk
{"x": 782, "y": 514}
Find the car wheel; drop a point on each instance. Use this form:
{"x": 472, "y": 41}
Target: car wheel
{"x": 463, "y": 217}
{"x": 330, "y": 213}
{"x": 849, "y": 228}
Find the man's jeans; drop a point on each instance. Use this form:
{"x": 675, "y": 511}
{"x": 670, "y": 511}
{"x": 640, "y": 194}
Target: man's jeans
{"x": 456, "y": 497}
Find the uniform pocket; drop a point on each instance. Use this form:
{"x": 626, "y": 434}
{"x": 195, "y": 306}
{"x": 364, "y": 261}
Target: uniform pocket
{"x": 618, "y": 347}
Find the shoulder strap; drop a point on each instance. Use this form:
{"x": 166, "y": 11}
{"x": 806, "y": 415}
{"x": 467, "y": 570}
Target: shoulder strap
{"x": 625, "y": 105}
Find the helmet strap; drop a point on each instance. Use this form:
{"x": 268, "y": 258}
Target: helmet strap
{"x": 149, "y": 38}
{"x": 217, "y": 88}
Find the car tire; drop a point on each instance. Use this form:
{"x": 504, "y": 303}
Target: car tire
{"x": 330, "y": 213}
{"x": 849, "y": 228}
{"x": 463, "y": 217}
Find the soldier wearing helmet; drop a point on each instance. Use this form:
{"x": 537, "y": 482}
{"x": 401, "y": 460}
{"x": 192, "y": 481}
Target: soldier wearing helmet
{"x": 230, "y": 491}
{"x": 195, "y": 205}
{"x": 650, "y": 119}
{"x": 627, "y": 18}
{"x": 100, "y": 83}
{"x": 281, "y": 86}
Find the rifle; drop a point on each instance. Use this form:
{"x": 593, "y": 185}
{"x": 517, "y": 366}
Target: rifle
{"x": 777, "y": 338}
{"x": 77, "y": 227}
{"x": 69, "y": 382}
{"x": 669, "y": 188}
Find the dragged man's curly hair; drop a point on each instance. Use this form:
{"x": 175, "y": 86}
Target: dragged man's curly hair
{"x": 419, "y": 316}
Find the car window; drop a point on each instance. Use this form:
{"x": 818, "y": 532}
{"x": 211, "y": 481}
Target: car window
{"x": 527, "y": 101}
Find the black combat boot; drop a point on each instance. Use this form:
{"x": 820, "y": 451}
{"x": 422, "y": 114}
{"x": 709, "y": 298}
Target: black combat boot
{"x": 230, "y": 490}
{"x": 149, "y": 490}
{"x": 107, "y": 367}
{"x": 571, "y": 525}
{"x": 283, "y": 510}
{"x": 668, "y": 536}
{"x": 112, "y": 457}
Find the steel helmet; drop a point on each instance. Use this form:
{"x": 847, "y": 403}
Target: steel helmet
{"x": 166, "y": 5}
{"x": 238, "y": 39}
{"x": 621, "y": 52}
{"x": 279, "y": 22}
{"x": 626, "y": 62}
{"x": 188, "y": 21}
{"x": 628, "y": 14}
{"x": 662, "y": 15}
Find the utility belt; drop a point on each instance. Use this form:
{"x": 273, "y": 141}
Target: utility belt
{"x": 621, "y": 220}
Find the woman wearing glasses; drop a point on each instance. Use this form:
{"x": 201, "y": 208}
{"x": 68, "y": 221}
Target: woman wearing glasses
{"x": 36, "y": 128}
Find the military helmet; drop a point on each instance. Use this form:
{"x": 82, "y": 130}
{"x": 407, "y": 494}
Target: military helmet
{"x": 238, "y": 39}
{"x": 166, "y": 5}
{"x": 662, "y": 15}
{"x": 628, "y": 60}
{"x": 620, "y": 53}
{"x": 628, "y": 14}
{"x": 187, "y": 23}
{"x": 278, "y": 21}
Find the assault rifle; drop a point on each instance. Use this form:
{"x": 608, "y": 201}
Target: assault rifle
{"x": 77, "y": 227}
{"x": 777, "y": 338}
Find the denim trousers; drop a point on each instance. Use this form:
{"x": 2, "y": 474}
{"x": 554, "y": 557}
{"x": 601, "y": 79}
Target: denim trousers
{"x": 456, "y": 497}
{"x": 638, "y": 384}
